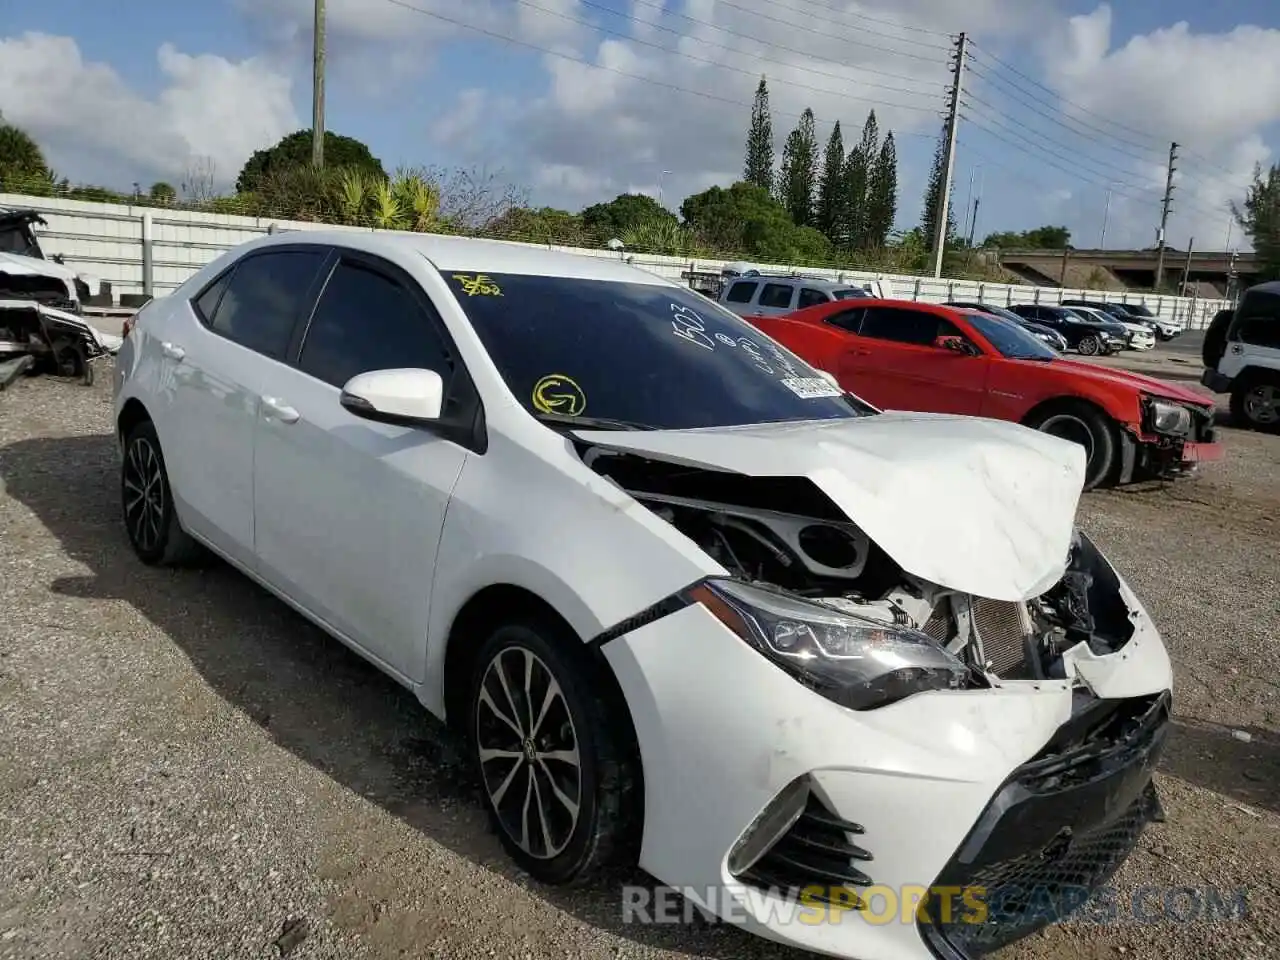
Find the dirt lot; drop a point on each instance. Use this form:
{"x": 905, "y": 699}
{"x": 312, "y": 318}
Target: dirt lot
{"x": 186, "y": 768}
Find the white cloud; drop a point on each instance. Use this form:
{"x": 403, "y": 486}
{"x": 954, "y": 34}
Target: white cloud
{"x": 94, "y": 128}
{"x": 1214, "y": 93}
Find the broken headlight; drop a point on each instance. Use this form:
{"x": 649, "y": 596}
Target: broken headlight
{"x": 857, "y": 662}
{"x": 1169, "y": 418}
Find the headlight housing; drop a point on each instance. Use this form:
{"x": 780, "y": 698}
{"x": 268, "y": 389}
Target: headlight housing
{"x": 1169, "y": 418}
{"x": 854, "y": 661}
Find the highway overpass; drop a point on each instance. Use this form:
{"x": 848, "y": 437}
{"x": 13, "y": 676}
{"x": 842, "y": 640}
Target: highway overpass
{"x": 1130, "y": 269}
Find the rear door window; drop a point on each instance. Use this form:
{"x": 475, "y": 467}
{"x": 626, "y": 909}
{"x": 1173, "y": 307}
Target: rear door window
{"x": 264, "y": 298}
{"x": 776, "y": 295}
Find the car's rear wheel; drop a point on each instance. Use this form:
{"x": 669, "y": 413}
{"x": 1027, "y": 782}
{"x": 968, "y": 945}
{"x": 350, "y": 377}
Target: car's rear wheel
{"x": 559, "y": 780}
{"x": 1089, "y": 345}
{"x": 1256, "y": 403}
{"x": 1090, "y": 428}
{"x": 146, "y": 502}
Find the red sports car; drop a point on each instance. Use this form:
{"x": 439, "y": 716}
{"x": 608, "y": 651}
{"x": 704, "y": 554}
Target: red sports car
{"x": 902, "y": 355}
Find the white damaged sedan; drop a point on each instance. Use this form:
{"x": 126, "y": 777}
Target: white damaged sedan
{"x": 689, "y": 604}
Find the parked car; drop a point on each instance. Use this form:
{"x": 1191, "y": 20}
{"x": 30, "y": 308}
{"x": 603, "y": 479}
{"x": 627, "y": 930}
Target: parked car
{"x": 765, "y": 295}
{"x": 27, "y": 274}
{"x": 1086, "y": 337}
{"x": 1042, "y": 333}
{"x": 1141, "y": 336}
{"x": 689, "y": 603}
{"x": 1242, "y": 357}
{"x": 901, "y": 355}
{"x": 1132, "y": 313}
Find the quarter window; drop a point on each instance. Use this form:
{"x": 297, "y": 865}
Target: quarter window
{"x": 811, "y": 298}
{"x": 741, "y": 291}
{"x": 850, "y": 320}
{"x": 777, "y": 295}
{"x": 263, "y": 298}
{"x": 366, "y": 321}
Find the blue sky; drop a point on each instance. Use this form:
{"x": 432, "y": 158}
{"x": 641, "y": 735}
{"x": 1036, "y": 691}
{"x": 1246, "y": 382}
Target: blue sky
{"x": 1057, "y": 107}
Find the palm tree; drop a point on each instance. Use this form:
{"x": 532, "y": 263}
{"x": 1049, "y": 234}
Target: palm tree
{"x": 20, "y": 158}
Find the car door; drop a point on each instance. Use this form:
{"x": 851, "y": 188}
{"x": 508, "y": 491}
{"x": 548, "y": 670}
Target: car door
{"x": 221, "y": 351}
{"x": 775, "y": 299}
{"x": 909, "y": 372}
{"x": 348, "y": 512}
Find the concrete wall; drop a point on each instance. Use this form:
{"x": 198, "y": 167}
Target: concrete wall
{"x": 151, "y": 250}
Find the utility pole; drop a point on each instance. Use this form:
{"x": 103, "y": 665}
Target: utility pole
{"x": 973, "y": 224}
{"x": 1106, "y": 216}
{"x": 317, "y": 88}
{"x": 953, "y": 116}
{"x": 1164, "y": 214}
{"x": 1186, "y": 269}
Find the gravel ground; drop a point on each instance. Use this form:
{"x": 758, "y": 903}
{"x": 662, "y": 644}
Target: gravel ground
{"x": 189, "y": 770}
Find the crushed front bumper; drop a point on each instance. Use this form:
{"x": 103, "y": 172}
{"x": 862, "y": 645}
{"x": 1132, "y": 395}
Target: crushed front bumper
{"x": 1058, "y": 829}
{"x": 724, "y": 735}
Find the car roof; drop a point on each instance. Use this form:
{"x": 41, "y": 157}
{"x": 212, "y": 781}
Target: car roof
{"x": 818, "y": 283}
{"x": 474, "y": 254}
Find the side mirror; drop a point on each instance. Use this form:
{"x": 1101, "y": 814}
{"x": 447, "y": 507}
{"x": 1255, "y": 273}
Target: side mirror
{"x": 406, "y": 397}
{"x": 954, "y": 344}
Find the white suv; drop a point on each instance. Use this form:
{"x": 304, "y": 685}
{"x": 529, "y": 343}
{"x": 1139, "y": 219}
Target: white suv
{"x": 1242, "y": 357}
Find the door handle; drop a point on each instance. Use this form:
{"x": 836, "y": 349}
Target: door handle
{"x": 173, "y": 351}
{"x": 280, "y": 410}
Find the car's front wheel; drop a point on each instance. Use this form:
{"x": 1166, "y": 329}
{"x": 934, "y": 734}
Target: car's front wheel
{"x": 1089, "y": 427}
{"x": 1256, "y": 403}
{"x": 146, "y": 502}
{"x": 1089, "y": 345}
{"x": 559, "y": 779}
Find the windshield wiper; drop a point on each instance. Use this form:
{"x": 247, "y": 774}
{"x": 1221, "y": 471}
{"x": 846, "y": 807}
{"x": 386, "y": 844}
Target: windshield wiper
{"x": 591, "y": 423}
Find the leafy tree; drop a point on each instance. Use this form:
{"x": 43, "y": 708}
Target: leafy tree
{"x": 162, "y": 192}
{"x": 745, "y": 220}
{"x": 295, "y": 151}
{"x": 831, "y": 198}
{"x": 758, "y": 168}
{"x": 20, "y": 158}
{"x": 1041, "y": 238}
{"x": 1259, "y": 217}
{"x": 546, "y": 225}
{"x": 798, "y": 179}
{"x": 882, "y": 195}
{"x": 933, "y": 194}
{"x": 625, "y": 211}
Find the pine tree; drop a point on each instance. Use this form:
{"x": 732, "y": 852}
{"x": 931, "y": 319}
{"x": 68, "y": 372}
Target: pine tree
{"x": 798, "y": 180}
{"x": 759, "y": 164}
{"x": 831, "y": 186}
{"x": 882, "y": 194}
{"x": 937, "y": 176}
{"x": 854, "y": 228}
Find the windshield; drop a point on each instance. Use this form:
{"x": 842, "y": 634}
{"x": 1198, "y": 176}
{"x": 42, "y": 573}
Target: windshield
{"x": 851, "y": 294}
{"x": 1011, "y": 339}
{"x": 639, "y": 354}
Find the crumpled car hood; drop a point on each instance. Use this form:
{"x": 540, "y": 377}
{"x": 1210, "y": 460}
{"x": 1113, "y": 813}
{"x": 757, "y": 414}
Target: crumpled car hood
{"x": 32, "y": 267}
{"x": 980, "y": 506}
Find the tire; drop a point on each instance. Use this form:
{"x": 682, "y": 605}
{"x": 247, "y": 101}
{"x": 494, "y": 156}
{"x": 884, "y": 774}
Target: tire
{"x": 1215, "y": 339}
{"x": 1089, "y": 345}
{"x": 1255, "y": 403}
{"x": 588, "y": 820}
{"x": 1087, "y": 425}
{"x": 150, "y": 520}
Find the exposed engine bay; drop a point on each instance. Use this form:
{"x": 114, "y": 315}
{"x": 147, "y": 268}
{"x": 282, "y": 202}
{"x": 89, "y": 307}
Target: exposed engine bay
{"x": 784, "y": 532}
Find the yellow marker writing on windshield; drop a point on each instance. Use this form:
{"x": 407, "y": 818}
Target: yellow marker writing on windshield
{"x": 557, "y": 393}
{"x": 478, "y": 285}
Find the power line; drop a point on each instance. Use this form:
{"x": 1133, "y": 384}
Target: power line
{"x": 622, "y": 73}
{"x": 807, "y": 54}
{"x": 752, "y": 72}
{"x": 870, "y": 19}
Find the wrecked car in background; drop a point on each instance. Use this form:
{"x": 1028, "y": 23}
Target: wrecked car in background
{"x": 36, "y": 338}
{"x": 27, "y": 274}
{"x": 689, "y": 603}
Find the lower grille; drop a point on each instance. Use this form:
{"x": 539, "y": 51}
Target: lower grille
{"x": 1004, "y": 629}
{"x": 816, "y": 854}
{"x": 1057, "y": 830}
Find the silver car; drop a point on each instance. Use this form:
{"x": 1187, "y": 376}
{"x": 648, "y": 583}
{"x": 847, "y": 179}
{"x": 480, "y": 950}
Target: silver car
{"x": 755, "y": 295}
